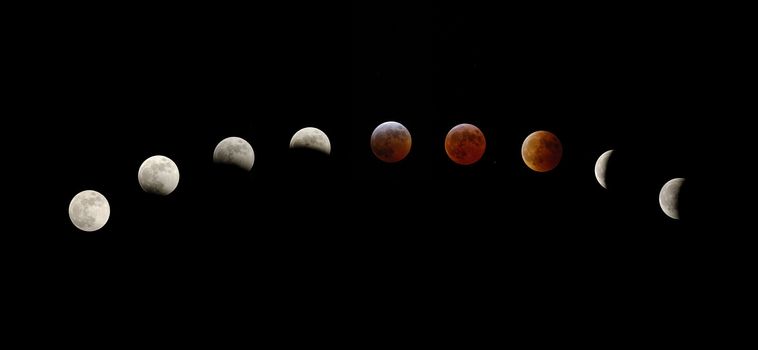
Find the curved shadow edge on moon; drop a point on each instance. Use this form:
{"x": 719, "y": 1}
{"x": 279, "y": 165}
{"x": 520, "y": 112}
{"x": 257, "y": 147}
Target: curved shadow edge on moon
{"x": 158, "y": 175}
{"x": 541, "y": 151}
{"x": 601, "y": 168}
{"x": 669, "y": 197}
{"x": 391, "y": 142}
{"x": 234, "y": 151}
{"x": 312, "y": 138}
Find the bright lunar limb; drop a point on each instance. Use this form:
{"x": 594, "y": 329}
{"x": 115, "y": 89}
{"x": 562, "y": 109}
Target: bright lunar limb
{"x": 234, "y": 151}
{"x": 89, "y": 210}
{"x": 669, "y": 197}
{"x": 541, "y": 151}
{"x": 601, "y": 166}
{"x": 391, "y": 142}
{"x": 311, "y": 138}
{"x": 158, "y": 175}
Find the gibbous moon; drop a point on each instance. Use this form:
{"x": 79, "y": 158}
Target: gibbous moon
{"x": 311, "y": 138}
{"x": 669, "y": 197}
{"x": 158, "y": 175}
{"x": 89, "y": 210}
{"x": 234, "y": 151}
{"x": 391, "y": 142}
{"x": 601, "y": 166}
{"x": 465, "y": 144}
{"x": 541, "y": 151}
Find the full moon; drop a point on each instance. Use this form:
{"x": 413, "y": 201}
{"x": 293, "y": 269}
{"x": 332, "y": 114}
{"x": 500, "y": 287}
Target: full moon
{"x": 89, "y": 210}
{"x": 465, "y": 144}
{"x": 601, "y": 166}
{"x": 158, "y": 175}
{"x": 311, "y": 138}
{"x": 234, "y": 151}
{"x": 669, "y": 197}
{"x": 391, "y": 142}
{"x": 541, "y": 151}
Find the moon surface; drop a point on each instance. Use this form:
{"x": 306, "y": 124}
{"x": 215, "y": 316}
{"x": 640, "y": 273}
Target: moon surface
{"x": 601, "y": 167}
{"x": 541, "y": 151}
{"x": 234, "y": 151}
{"x": 669, "y": 197}
{"x": 311, "y": 138}
{"x": 89, "y": 210}
{"x": 391, "y": 142}
{"x": 465, "y": 144}
{"x": 158, "y": 175}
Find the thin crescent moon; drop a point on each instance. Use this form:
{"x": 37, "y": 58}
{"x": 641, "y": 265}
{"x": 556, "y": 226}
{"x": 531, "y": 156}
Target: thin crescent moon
{"x": 669, "y": 197}
{"x": 601, "y": 168}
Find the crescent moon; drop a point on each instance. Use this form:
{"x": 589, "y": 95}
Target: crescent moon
{"x": 311, "y": 138}
{"x": 669, "y": 197}
{"x": 234, "y": 151}
{"x": 601, "y": 167}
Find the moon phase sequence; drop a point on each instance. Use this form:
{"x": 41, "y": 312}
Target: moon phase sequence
{"x": 465, "y": 144}
{"x": 158, "y": 175}
{"x": 542, "y": 151}
{"x": 89, "y": 211}
{"x": 311, "y": 138}
{"x": 669, "y": 197}
{"x": 391, "y": 142}
{"x": 234, "y": 151}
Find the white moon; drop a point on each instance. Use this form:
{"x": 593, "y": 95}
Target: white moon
{"x": 234, "y": 151}
{"x": 159, "y": 175}
{"x": 601, "y": 166}
{"x": 311, "y": 138}
{"x": 669, "y": 197}
{"x": 89, "y": 210}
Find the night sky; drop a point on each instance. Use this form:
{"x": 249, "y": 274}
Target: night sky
{"x": 124, "y": 86}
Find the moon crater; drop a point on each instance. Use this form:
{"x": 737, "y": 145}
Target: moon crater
{"x": 89, "y": 210}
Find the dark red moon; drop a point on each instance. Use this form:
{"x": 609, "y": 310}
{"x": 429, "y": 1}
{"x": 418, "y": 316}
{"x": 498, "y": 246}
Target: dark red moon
{"x": 465, "y": 144}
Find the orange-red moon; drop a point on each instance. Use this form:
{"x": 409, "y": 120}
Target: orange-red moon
{"x": 465, "y": 144}
{"x": 391, "y": 142}
{"x": 542, "y": 151}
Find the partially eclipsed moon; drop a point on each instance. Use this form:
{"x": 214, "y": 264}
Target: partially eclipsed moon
{"x": 541, "y": 151}
{"x": 391, "y": 142}
{"x": 669, "y": 197}
{"x": 601, "y": 166}
{"x": 158, "y": 175}
{"x": 311, "y": 138}
{"x": 89, "y": 211}
{"x": 234, "y": 151}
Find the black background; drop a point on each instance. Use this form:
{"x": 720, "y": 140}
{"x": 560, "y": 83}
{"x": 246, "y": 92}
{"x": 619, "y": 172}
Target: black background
{"x": 657, "y": 85}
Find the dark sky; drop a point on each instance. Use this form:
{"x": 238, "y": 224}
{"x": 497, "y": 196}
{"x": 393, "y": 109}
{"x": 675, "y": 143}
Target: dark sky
{"x": 656, "y": 86}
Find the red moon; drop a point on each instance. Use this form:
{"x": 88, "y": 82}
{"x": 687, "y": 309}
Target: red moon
{"x": 465, "y": 144}
{"x": 391, "y": 142}
{"x": 542, "y": 151}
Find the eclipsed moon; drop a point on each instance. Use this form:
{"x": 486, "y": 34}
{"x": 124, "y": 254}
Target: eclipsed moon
{"x": 158, "y": 175}
{"x": 234, "y": 151}
{"x": 669, "y": 197}
{"x": 541, "y": 151}
{"x": 311, "y": 138}
{"x": 601, "y": 168}
{"x": 465, "y": 144}
{"x": 391, "y": 142}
